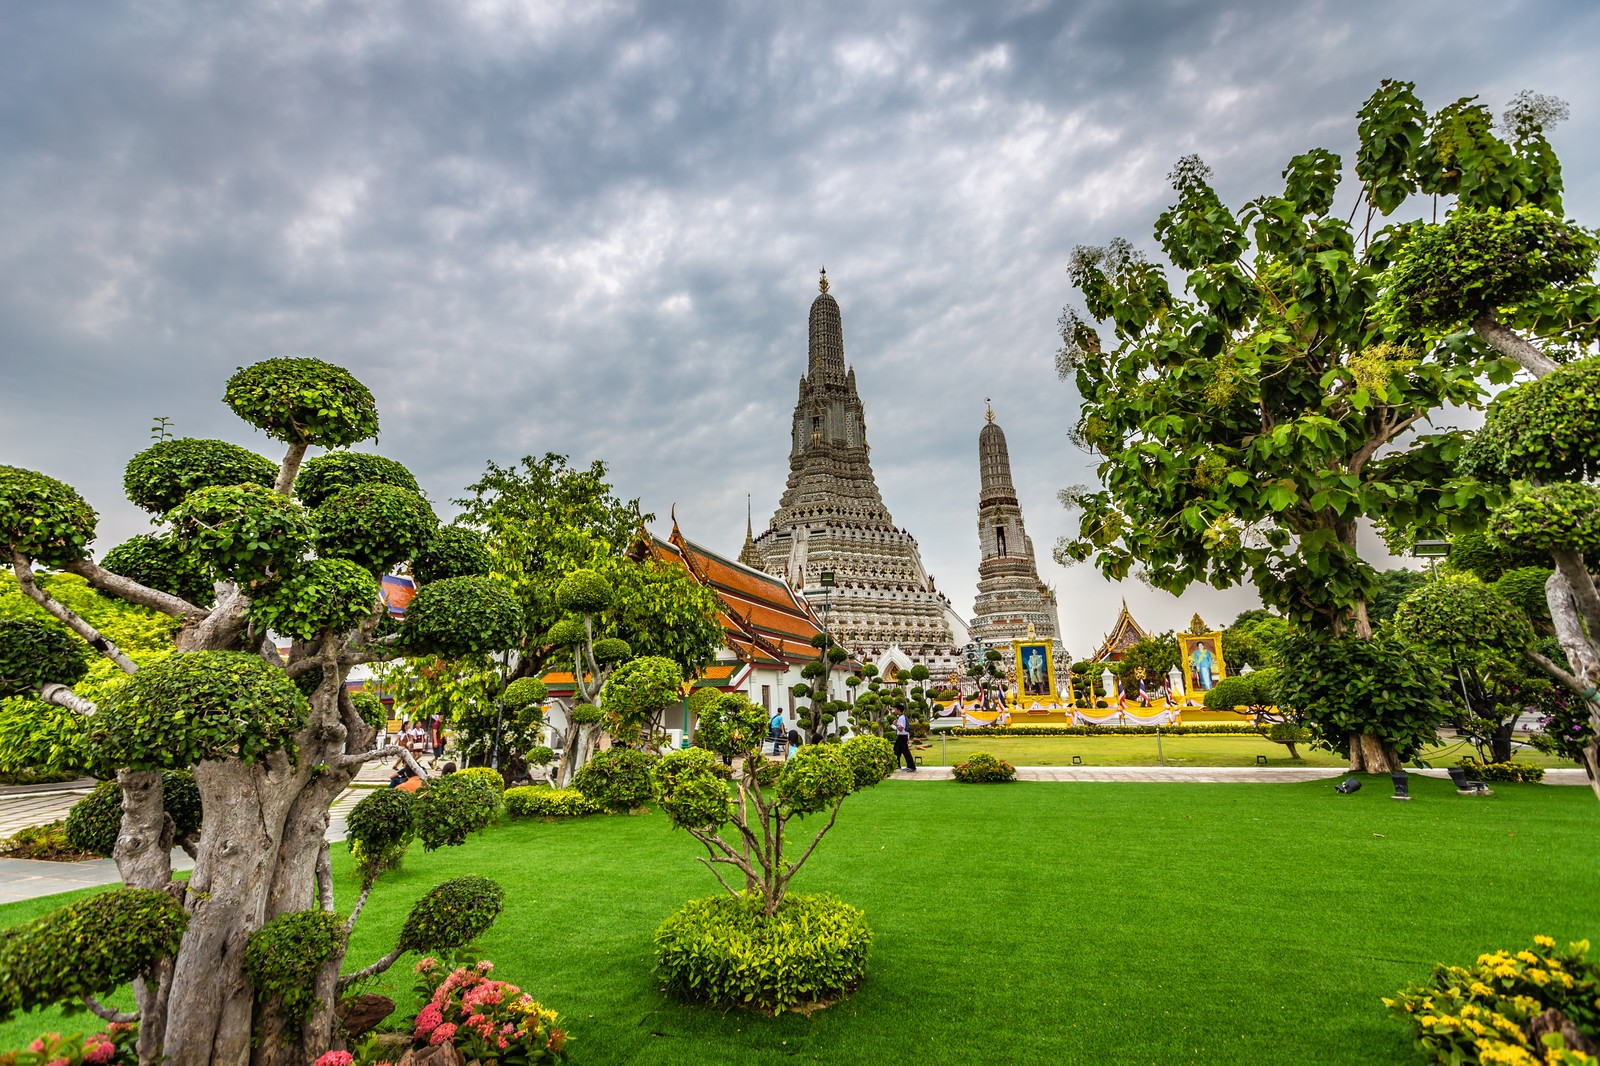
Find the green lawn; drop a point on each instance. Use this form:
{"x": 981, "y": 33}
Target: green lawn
{"x": 1189, "y": 750}
{"x": 1071, "y": 923}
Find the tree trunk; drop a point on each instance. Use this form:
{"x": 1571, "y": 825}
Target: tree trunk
{"x": 1370, "y": 755}
{"x": 1500, "y": 742}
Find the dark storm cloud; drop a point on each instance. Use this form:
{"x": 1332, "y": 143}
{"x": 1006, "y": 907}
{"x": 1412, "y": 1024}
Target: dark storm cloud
{"x": 594, "y": 228}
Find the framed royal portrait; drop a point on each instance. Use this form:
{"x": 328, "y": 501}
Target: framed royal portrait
{"x": 1035, "y": 671}
{"x": 1202, "y": 661}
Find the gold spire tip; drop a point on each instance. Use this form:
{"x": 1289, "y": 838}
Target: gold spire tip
{"x": 988, "y": 413}
{"x": 823, "y": 282}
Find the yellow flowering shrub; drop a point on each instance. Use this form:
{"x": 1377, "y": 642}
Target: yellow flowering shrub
{"x": 1480, "y": 1013}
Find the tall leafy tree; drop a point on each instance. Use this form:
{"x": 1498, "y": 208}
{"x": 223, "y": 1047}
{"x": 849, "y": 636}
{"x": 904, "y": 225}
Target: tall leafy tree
{"x": 1247, "y": 424}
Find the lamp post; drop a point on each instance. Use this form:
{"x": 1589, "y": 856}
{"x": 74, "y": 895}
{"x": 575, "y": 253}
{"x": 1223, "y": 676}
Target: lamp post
{"x": 1433, "y": 551}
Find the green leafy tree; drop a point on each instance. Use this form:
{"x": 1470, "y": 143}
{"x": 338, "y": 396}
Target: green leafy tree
{"x": 1393, "y": 587}
{"x": 1247, "y": 425}
{"x": 271, "y": 742}
{"x": 1480, "y": 639}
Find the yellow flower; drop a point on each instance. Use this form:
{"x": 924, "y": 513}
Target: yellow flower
{"x": 1528, "y": 957}
{"x": 1544, "y": 941}
{"x": 1538, "y": 977}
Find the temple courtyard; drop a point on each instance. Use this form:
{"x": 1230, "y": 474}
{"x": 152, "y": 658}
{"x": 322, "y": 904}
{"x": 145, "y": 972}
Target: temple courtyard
{"x": 1063, "y": 922}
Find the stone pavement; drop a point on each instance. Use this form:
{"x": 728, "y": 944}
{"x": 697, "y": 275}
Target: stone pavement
{"x": 1255, "y": 775}
{"x": 29, "y": 879}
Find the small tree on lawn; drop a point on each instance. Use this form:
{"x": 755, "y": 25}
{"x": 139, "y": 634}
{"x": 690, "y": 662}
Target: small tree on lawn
{"x": 817, "y": 779}
{"x": 1480, "y": 640}
{"x": 271, "y": 741}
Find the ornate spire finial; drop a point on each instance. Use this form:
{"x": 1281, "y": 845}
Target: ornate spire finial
{"x": 988, "y": 413}
{"x": 823, "y": 283}
{"x": 748, "y": 529}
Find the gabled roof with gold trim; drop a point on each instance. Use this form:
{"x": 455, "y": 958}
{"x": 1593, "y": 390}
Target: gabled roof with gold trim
{"x": 764, "y": 621}
{"x": 1124, "y": 633}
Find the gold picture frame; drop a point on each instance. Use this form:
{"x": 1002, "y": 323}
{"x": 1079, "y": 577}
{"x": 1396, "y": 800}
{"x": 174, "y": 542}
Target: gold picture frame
{"x": 1203, "y": 665}
{"x": 1035, "y": 665}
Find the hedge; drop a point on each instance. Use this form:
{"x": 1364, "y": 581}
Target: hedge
{"x": 1239, "y": 729}
{"x": 537, "y": 801}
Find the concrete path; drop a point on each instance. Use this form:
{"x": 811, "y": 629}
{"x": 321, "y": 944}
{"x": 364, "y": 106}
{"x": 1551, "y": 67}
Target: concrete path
{"x": 29, "y": 879}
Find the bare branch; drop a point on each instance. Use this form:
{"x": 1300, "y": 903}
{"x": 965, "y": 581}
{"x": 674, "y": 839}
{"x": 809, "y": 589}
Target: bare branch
{"x": 361, "y": 902}
{"x": 368, "y": 655}
{"x": 110, "y": 1014}
{"x": 1511, "y": 344}
{"x": 795, "y": 867}
{"x": 58, "y": 610}
{"x": 357, "y": 758}
{"x": 62, "y": 696}
{"x": 711, "y": 865}
{"x": 290, "y": 468}
{"x": 128, "y": 589}
{"x": 190, "y": 846}
{"x": 1565, "y": 677}
{"x": 372, "y": 971}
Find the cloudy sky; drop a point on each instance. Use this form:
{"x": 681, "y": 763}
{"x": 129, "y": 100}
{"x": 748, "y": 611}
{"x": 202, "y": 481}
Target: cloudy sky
{"x": 595, "y": 227}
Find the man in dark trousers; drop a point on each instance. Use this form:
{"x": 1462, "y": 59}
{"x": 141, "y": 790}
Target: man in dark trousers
{"x": 902, "y": 743}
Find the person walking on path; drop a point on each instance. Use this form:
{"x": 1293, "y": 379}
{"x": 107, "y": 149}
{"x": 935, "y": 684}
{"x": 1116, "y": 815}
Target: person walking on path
{"x": 902, "y": 743}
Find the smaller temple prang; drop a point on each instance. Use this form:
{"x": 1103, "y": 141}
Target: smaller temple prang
{"x": 1012, "y": 603}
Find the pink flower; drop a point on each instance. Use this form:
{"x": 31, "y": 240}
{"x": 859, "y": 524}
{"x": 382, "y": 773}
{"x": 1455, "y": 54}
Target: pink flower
{"x": 442, "y": 1034}
{"x": 426, "y": 965}
{"x": 503, "y": 1044}
{"x": 485, "y": 966}
{"x": 507, "y": 1029}
{"x": 59, "y": 1062}
{"x": 97, "y": 1054}
{"x": 427, "y": 1021}
{"x": 336, "y": 1058}
{"x": 37, "y": 1046}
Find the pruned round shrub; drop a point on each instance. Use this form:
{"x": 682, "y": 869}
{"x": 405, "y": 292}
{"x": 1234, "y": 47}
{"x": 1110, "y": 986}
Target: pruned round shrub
{"x": 283, "y": 956}
{"x": 452, "y": 551}
{"x": 374, "y": 525}
{"x": 33, "y": 654}
{"x": 158, "y": 478}
{"x": 1230, "y": 692}
{"x": 324, "y": 476}
{"x": 618, "y": 778}
{"x": 453, "y": 806}
{"x": 452, "y": 914}
{"x": 611, "y": 650}
{"x": 1560, "y": 517}
{"x": 1288, "y": 733}
{"x": 537, "y": 801}
{"x": 692, "y": 787}
{"x": 1455, "y": 614}
{"x": 199, "y": 705}
{"x": 380, "y": 828}
{"x": 584, "y": 592}
{"x": 730, "y": 725}
{"x": 642, "y": 686}
{"x": 566, "y": 633}
{"x": 245, "y": 532}
{"x": 1547, "y": 429}
{"x": 724, "y": 952}
{"x": 588, "y": 714}
{"x": 88, "y": 947}
{"x": 317, "y": 595}
{"x": 94, "y": 822}
{"x": 524, "y": 692}
{"x": 43, "y": 518}
{"x": 815, "y": 778}
{"x": 161, "y": 563}
{"x": 303, "y": 400}
{"x": 983, "y": 768}
{"x": 370, "y": 709}
{"x": 463, "y": 616}
{"x": 871, "y": 759}
{"x": 540, "y": 755}
{"x": 488, "y": 775}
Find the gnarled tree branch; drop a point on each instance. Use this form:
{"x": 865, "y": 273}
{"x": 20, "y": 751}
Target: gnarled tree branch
{"x": 71, "y": 618}
{"x": 372, "y": 971}
{"x": 62, "y": 696}
{"x": 1511, "y": 344}
{"x": 130, "y": 590}
{"x": 110, "y": 1014}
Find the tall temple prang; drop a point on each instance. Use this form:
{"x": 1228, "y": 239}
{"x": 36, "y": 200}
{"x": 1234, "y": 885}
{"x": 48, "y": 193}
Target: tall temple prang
{"x": 1012, "y": 603}
{"x": 831, "y": 519}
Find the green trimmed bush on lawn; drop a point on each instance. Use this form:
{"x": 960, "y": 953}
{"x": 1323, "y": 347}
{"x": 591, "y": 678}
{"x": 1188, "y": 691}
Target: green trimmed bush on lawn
{"x": 380, "y": 828}
{"x": 538, "y": 801}
{"x": 724, "y": 952}
{"x": 488, "y": 775}
{"x": 617, "y": 778}
{"x": 452, "y": 806}
{"x": 983, "y": 768}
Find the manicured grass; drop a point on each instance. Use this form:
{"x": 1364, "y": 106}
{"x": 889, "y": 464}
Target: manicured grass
{"x": 1190, "y": 750}
{"x": 1031, "y": 922}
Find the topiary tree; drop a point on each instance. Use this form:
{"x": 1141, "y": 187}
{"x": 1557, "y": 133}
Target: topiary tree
{"x": 94, "y": 822}
{"x": 637, "y": 692}
{"x": 618, "y": 778}
{"x": 1480, "y": 640}
{"x": 271, "y": 741}
{"x": 696, "y": 798}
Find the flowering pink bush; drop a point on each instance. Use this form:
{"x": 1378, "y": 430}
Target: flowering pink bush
{"x": 336, "y": 1058}
{"x": 484, "y": 1018}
